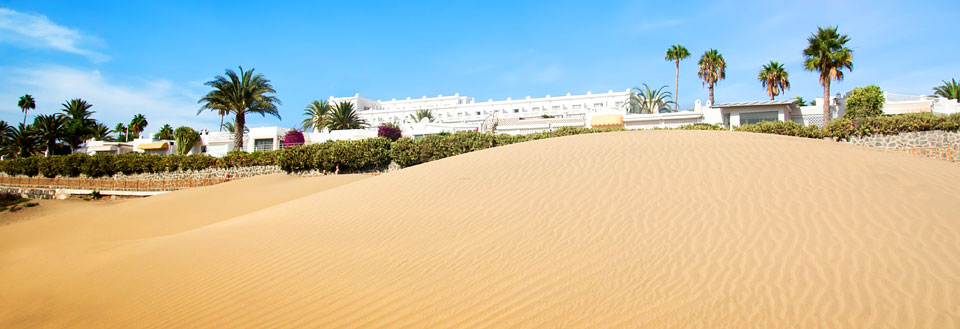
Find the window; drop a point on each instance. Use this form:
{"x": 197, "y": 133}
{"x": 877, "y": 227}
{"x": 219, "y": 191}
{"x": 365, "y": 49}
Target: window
{"x": 556, "y": 107}
{"x": 478, "y": 112}
{"x": 203, "y": 149}
{"x": 263, "y": 145}
{"x": 755, "y": 117}
{"x": 576, "y": 106}
{"x": 597, "y": 105}
{"x": 516, "y": 110}
{"x": 619, "y": 104}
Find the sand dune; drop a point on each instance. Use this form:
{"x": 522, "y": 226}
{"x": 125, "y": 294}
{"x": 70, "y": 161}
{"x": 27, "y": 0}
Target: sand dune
{"x": 651, "y": 229}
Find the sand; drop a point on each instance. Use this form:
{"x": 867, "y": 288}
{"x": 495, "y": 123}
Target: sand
{"x": 651, "y": 229}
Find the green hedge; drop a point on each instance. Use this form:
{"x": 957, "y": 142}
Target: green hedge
{"x": 844, "y": 128}
{"x": 104, "y": 165}
{"x": 349, "y": 156}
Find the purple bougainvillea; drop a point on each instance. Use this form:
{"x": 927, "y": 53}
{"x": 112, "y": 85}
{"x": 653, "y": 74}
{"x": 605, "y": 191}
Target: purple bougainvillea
{"x": 293, "y": 138}
{"x": 389, "y": 131}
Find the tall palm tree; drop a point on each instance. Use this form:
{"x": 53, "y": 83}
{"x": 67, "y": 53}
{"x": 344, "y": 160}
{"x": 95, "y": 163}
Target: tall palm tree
{"x": 79, "y": 121}
{"x": 26, "y": 103}
{"x": 774, "y": 78}
{"x": 137, "y": 125}
{"x": 344, "y": 116}
{"x": 422, "y": 114}
{"x": 121, "y": 131}
{"x": 677, "y": 53}
{"x": 827, "y": 53}
{"x": 648, "y": 100}
{"x": 5, "y": 130}
{"x": 950, "y": 90}
{"x": 713, "y": 68}
{"x": 49, "y": 128}
{"x": 316, "y": 113}
{"x": 241, "y": 94}
{"x": 165, "y": 132}
{"x": 22, "y": 141}
{"x": 101, "y": 133}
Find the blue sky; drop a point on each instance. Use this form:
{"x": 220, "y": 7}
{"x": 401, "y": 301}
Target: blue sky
{"x": 152, "y": 57}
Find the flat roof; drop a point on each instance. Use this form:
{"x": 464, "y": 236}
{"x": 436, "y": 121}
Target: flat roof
{"x": 791, "y": 101}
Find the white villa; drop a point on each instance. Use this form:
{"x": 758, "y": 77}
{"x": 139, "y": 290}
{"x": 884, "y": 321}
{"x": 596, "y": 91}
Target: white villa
{"x": 528, "y": 115}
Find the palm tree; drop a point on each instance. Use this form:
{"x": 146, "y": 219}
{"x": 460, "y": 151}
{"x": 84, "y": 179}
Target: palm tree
{"x": 713, "y": 68}
{"x": 827, "y": 53}
{"x": 422, "y": 114}
{"x": 165, "y": 132}
{"x": 121, "y": 131}
{"x": 102, "y": 133}
{"x": 648, "y": 100}
{"x": 344, "y": 116}
{"x": 5, "y": 130}
{"x": 800, "y": 101}
{"x": 316, "y": 113}
{"x": 775, "y": 78}
{"x": 26, "y": 103}
{"x": 228, "y": 126}
{"x": 22, "y": 141}
{"x": 137, "y": 125}
{"x": 677, "y": 53}
{"x": 49, "y": 128}
{"x": 950, "y": 90}
{"x": 241, "y": 94}
{"x": 79, "y": 121}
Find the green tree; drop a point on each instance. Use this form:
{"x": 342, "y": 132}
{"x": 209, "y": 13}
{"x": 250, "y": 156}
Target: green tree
{"x": 950, "y": 90}
{"x": 774, "y": 78}
{"x": 165, "y": 132}
{"x": 186, "y": 139}
{"x": 22, "y": 141}
{"x": 228, "y": 126}
{"x": 79, "y": 122}
{"x": 713, "y": 68}
{"x": 25, "y": 104}
{"x": 422, "y": 114}
{"x": 49, "y": 129}
{"x": 864, "y": 102}
{"x": 121, "y": 131}
{"x": 828, "y": 54}
{"x": 241, "y": 94}
{"x": 102, "y": 133}
{"x": 800, "y": 101}
{"x": 677, "y": 53}
{"x": 137, "y": 125}
{"x": 5, "y": 129}
{"x": 648, "y": 100}
{"x": 344, "y": 116}
{"x": 316, "y": 114}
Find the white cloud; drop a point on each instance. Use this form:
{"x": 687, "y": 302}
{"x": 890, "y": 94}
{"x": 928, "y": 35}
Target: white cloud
{"x": 161, "y": 101}
{"x": 37, "y": 31}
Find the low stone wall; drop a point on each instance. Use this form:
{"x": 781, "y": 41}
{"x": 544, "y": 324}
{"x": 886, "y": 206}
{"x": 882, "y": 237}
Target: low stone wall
{"x": 31, "y": 193}
{"x": 240, "y": 172}
{"x": 909, "y": 140}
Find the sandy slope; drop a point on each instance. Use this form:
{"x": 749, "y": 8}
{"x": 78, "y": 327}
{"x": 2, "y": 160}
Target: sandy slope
{"x": 653, "y": 229}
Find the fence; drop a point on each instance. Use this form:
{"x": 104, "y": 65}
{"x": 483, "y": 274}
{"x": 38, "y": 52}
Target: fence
{"x": 109, "y": 184}
{"x": 947, "y": 153}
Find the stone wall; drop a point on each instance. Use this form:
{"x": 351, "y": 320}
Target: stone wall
{"x": 31, "y": 193}
{"x": 240, "y": 172}
{"x": 909, "y": 140}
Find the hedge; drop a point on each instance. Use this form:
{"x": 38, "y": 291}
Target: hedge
{"x": 844, "y": 128}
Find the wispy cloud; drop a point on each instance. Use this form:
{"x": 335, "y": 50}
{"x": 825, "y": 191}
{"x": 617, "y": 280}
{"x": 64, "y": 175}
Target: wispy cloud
{"x": 38, "y": 31}
{"x": 161, "y": 101}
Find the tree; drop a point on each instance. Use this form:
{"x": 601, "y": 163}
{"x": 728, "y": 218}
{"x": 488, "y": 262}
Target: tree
{"x": 137, "y": 125}
{"x": 677, "y": 53}
{"x": 648, "y": 100}
{"x": 774, "y": 78}
{"x": 422, "y": 114}
{"x": 165, "y": 132}
{"x": 827, "y": 54}
{"x": 121, "y": 131}
{"x": 228, "y": 126}
{"x": 79, "y": 121}
{"x": 22, "y": 141}
{"x": 316, "y": 114}
{"x": 186, "y": 139}
{"x": 102, "y": 133}
{"x": 950, "y": 90}
{"x": 713, "y": 68}
{"x": 864, "y": 102}
{"x": 26, "y": 103}
{"x": 5, "y": 130}
{"x": 800, "y": 101}
{"x": 344, "y": 116}
{"x": 241, "y": 94}
{"x": 49, "y": 129}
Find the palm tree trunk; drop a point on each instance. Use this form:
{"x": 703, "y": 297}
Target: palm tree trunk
{"x": 676, "y": 90}
{"x": 771, "y": 96}
{"x": 221, "y": 122}
{"x": 238, "y": 124}
{"x": 711, "y": 94}
{"x": 24, "y": 117}
{"x": 826, "y": 102}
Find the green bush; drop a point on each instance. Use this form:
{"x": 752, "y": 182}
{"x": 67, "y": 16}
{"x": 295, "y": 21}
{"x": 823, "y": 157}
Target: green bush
{"x": 864, "y": 102}
{"x": 236, "y": 159}
{"x": 788, "y": 128}
{"x": 298, "y": 158}
{"x": 50, "y": 166}
{"x": 197, "y": 162}
{"x": 29, "y": 166}
{"x": 100, "y": 165}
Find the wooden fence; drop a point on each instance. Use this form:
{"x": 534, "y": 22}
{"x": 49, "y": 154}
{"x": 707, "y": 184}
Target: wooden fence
{"x": 946, "y": 153}
{"x": 109, "y": 184}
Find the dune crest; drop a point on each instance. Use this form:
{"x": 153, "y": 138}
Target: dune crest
{"x": 649, "y": 229}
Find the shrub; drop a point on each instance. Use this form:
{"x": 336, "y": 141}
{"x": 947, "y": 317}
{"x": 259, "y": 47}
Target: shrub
{"x": 50, "y": 166}
{"x": 293, "y": 138}
{"x": 99, "y": 165}
{"x": 132, "y": 163}
{"x": 186, "y": 138}
{"x": 864, "y": 102}
{"x": 389, "y": 131}
{"x": 197, "y": 162}
{"x": 406, "y": 152}
{"x": 28, "y": 166}
{"x": 236, "y": 159}
{"x": 298, "y": 158}
{"x": 787, "y": 128}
